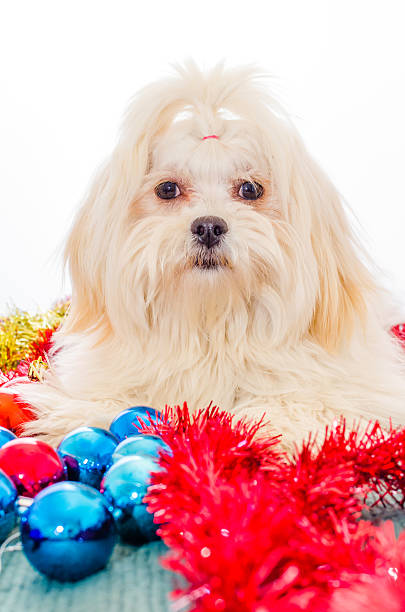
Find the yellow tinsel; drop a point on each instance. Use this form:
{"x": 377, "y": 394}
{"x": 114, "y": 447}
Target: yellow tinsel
{"x": 19, "y": 330}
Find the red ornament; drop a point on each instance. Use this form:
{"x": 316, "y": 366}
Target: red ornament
{"x": 13, "y": 412}
{"x": 31, "y": 464}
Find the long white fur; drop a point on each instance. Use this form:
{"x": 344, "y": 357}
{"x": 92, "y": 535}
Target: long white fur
{"x": 292, "y": 327}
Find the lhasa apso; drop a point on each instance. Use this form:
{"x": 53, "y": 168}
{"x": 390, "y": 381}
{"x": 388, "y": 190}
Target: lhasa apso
{"x": 212, "y": 260}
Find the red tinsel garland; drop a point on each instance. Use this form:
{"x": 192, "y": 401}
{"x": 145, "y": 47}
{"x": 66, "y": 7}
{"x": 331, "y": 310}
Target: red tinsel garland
{"x": 252, "y": 530}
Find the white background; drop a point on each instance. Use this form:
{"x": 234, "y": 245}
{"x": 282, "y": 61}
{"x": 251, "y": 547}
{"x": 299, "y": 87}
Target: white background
{"x": 68, "y": 69}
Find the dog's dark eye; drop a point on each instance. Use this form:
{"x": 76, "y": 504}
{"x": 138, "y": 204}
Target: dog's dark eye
{"x": 250, "y": 190}
{"x": 167, "y": 190}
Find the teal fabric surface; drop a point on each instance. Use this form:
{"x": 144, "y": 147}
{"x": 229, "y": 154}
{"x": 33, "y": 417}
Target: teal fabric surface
{"x": 133, "y": 581}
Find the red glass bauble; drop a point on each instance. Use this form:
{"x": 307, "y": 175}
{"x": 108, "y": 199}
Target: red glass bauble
{"x": 31, "y": 464}
{"x": 13, "y": 412}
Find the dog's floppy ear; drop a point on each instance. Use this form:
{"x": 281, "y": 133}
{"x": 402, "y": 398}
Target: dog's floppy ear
{"x": 344, "y": 282}
{"x": 85, "y": 260}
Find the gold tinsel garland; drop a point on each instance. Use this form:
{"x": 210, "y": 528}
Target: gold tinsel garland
{"x": 20, "y": 331}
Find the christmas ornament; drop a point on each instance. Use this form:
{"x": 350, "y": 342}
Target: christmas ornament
{"x": 13, "y": 412}
{"x": 129, "y": 422}
{"x": 31, "y": 464}
{"x": 87, "y": 453}
{"x": 68, "y": 532}
{"x": 147, "y": 444}
{"x": 124, "y": 487}
{"x": 5, "y": 436}
{"x": 8, "y": 513}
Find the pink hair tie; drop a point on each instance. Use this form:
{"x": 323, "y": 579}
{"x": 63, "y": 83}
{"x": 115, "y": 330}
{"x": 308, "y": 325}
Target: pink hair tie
{"x": 210, "y": 136}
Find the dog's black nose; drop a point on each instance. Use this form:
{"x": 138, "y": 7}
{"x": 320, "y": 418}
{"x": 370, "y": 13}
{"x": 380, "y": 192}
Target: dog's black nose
{"x": 208, "y": 230}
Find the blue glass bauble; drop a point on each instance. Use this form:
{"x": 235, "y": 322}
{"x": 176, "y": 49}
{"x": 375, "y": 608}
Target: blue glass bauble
{"x": 68, "y": 532}
{"x": 124, "y": 487}
{"x": 8, "y": 512}
{"x": 146, "y": 444}
{"x": 5, "y": 436}
{"x": 127, "y": 423}
{"x": 87, "y": 453}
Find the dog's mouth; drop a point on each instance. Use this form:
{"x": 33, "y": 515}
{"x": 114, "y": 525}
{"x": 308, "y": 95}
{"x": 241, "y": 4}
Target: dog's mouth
{"x": 210, "y": 261}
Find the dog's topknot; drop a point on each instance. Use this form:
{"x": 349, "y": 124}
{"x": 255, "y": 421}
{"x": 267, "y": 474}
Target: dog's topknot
{"x": 209, "y": 96}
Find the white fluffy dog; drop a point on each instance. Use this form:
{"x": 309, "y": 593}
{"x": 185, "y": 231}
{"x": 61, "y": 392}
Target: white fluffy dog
{"x": 212, "y": 260}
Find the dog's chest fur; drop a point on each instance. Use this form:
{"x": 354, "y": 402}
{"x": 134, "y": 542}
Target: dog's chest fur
{"x": 299, "y": 388}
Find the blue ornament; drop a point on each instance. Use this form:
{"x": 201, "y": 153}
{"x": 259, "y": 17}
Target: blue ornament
{"x": 124, "y": 487}
{"x": 8, "y": 511}
{"x": 5, "y": 436}
{"x": 127, "y": 423}
{"x": 146, "y": 444}
{"x": 68, "y": 532}
{"x": 87, "y": 454}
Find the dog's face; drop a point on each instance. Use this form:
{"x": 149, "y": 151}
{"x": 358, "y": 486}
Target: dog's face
{"x": 205, "y": 201}
{"x": 216, "y": 216}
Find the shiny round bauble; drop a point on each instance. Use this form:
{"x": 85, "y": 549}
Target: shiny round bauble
{"x": 5, "y": 436}
{"x": 8, "y": 511}
{"x": 128, "y": 422}
{"x": 146, "y": 444}
{"x": 31, "y": 464}
{"x": 87, "y": 453}
{"x": 124, "y": 486}
{"x": 13, "y": 412}
{"x": 68, "y": 532}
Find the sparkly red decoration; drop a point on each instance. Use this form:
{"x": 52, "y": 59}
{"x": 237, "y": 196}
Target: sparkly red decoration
{"x": 41, "y": 346}
{"x": 31, "y": 464}
{"x": 399, "y": 332}
{"x": 252, "y": 530}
